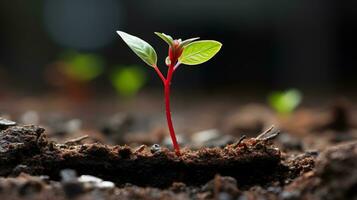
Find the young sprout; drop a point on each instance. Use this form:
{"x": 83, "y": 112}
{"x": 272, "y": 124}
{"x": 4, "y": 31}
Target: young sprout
{"x": 189, "y": 52}
{"x": 285, "y": 102}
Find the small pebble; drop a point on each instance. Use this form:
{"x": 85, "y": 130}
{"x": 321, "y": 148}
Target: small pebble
{"x": 95, "y": 182}
{"x": 205, "y": 136}
{"x": 4, "y": 123}
{"x": 72, "y": 188}
{"x": 155, "y": 148}
{"x": 68, "y": 175}
{"x": 89, "y": 179}
{"x": 106, "y": 185}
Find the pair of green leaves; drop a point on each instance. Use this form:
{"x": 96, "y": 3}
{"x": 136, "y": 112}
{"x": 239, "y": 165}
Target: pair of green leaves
{"x": 194, "y": 52}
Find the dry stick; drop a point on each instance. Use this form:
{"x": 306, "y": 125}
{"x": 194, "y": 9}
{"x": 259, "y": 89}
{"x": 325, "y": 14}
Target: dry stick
{"x": 76, "y": 140}
{"x": 265, "y": 132}
{"x": 269, "y": 137}
{"x": 272, "y": 136}
{"x": 239, "y": 141}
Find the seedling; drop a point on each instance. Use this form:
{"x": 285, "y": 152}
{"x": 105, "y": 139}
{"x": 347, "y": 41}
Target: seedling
{"x": 189, "y": 52}
{"x": 285, "y": 102}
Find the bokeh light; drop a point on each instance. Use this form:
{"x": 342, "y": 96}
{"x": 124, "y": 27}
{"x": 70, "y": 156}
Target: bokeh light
{"x": 82, "y": 24}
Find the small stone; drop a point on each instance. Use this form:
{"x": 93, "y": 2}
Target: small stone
{"x": 95, "y": 182}
{"x": 155, "y": 148}
{"x": 106, "y": 185}
{"x": 89, "y": 179}
{"x": 68, "y": 175}
{"x": 71, "y": 186}
{"x": 4, "y": 123}
{"x": 205, "y": 136}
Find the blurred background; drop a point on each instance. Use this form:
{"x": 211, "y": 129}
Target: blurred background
{"x": 69, "y": 49}
{"x": 267, "y": 44}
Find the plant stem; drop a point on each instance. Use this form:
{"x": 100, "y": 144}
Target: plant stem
{"x": 168, "y": 112}
{"x": 159, "y": 73}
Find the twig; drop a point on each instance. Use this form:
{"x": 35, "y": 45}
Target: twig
{"x": 76, "y": 140}
{"x": 264, "y": 136}
{"x": 239, "y": 141}
{"x": 265, "y": 132}
{"x": 272, "y": 136}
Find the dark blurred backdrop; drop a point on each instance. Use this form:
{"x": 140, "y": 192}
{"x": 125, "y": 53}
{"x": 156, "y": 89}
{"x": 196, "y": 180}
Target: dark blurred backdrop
{"x": 266, "y": 44}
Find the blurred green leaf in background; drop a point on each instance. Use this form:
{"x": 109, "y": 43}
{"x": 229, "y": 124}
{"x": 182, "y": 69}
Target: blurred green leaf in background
{"x": 285, "y": 102}
{"x": 128, "y": 80}
{"x": 83, "y": 66}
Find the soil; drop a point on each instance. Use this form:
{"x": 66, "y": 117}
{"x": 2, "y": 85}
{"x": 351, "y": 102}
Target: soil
{"x": 311, "y": 154}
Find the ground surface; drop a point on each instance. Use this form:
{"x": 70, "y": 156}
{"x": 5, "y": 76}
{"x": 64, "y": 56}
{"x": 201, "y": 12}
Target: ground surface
{"x": 99, "y": 150}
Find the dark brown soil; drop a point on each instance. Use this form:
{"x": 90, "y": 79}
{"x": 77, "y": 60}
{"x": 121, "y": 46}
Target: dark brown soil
{"x": 28, "y": 147}
{"x": 247, "y": 163}
{"x": 314, "y": 157}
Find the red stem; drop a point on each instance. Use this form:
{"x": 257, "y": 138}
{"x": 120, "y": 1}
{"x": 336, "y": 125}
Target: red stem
{"x": 167, "y": 85}
{"x": 159, "y": 73}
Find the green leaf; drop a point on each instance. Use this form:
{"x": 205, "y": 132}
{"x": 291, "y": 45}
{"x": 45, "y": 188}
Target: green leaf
{"x": 141, "y": 48}
{"x": 199, "y": 52}
{"x": 168, "y": 39}
{"x": 285, "y": 102}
